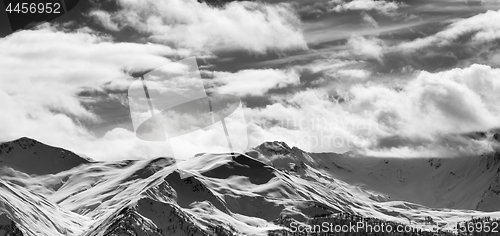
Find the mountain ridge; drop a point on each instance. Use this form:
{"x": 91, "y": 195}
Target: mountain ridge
{"x": 30, "y": 154}
{"x": 216, "y": 194}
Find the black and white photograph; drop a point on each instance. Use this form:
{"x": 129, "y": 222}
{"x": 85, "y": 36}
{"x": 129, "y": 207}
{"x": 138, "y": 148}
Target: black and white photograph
{"x": 249, "y": 117}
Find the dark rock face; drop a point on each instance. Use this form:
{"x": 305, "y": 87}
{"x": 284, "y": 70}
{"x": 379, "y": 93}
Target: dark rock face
{"x": 258, "y": 172}
{"x": 33, "y": 157}
{"x": 8, "y": 227}
{"x": 274, "y": 148}
{"x": 156, "y": 218}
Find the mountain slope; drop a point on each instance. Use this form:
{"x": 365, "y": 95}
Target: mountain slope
{"x": 460, "y": 183}
{"x": 216, "y": 194}
{"x": 32, "y": 157}
{"x": 8, "y": 227}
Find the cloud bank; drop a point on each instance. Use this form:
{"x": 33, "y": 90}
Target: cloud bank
{"x": 43, "y": 70}
{"x": 478, "y": 29}
{"x": 251, "y": 26}
{"x": 425, "y": 117}
{"x": 254, "y": 82}
{"x": 385, "y": 7}
{"x": 335, "y": 99}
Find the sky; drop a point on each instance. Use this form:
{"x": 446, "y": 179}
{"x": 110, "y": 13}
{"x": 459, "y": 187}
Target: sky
{"x": 412, "y": 78}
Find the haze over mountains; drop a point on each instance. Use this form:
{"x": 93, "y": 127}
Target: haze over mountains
{"x": 51, "y": 191}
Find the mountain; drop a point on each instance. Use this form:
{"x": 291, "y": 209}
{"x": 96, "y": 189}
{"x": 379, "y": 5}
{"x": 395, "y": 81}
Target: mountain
{"x": 460, "y": 183}
{"x": 225, "y": 194}
{"x": 32, "y": 157}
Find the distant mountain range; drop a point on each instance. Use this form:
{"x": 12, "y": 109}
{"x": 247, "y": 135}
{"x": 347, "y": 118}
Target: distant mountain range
{"x": 51, "y": 191}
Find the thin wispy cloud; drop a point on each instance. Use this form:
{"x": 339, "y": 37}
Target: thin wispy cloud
{"x": 481, "y": 28}
{"x": 369, "y": 19}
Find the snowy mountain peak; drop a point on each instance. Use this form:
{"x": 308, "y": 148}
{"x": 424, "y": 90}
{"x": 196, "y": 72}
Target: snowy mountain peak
{"x": 275, "y": 147}
{"x": 225, "y": 194}
{"x": 33, "y": 157}
{"x": 26, "y": 142}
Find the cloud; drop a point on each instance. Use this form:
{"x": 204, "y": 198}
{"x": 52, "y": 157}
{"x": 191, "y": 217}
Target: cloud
{"x": 490, "y": 2}
{"x": 425, "y": 117}
{"x": 368, "y": 47}
{"x": 105, "y": 19}
{"x": 251, "y": 26}
{"x": 354, "y": 73}
{"x": 43, "y": 70}
{"x": 254, "y": 82}
{"x": 447, "y": 102}
{"x": 482, "y": 28}
{"x": 369, "y": 20}
{"x": 311, "y": 121}
{"x": 388, "y": 8}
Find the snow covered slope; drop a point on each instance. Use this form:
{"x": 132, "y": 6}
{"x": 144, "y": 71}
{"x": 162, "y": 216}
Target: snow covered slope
{"x": 460, "y": 183}
{"x": 210, "y": 194}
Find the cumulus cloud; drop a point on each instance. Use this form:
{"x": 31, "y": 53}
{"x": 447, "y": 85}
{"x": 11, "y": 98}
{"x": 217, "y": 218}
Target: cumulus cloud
{"x": 105, "y": 19}
{"x": 432, "y": 109}
{"x": 447, "y": 102}
{"x": 43, "y": 70}
{"x": 251, "y": 26}
{"x": 254, "y": 82}
{"x": 372, "y": 48}
{"x": 423, "y": 118}
{"x": 384, "y": 7}
{"x": 359, "y": 74}
{"x": 310, "y": 120}
{"x": 482, "y": 28}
